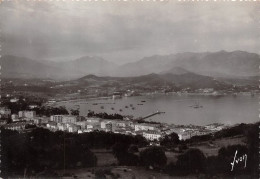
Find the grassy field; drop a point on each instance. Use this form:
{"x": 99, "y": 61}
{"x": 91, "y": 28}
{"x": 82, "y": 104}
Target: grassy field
{"x": 210, "y": 149}
{"x": 106, "y": 160}
{"x": 141, "y": 173}
{"x": 104, "y": 157}
{"x": 123, "y": 172}
{"x": 171, "y": 156}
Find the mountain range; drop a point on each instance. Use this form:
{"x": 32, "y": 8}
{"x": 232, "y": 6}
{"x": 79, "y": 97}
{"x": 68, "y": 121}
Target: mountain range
{"x": 222, "y": 64}
{"x": 19, "y": 67}
{"x": 218, "y": 64}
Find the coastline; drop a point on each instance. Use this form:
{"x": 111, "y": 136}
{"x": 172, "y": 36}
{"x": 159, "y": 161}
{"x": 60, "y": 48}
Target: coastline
{"x": 149, "y": 94}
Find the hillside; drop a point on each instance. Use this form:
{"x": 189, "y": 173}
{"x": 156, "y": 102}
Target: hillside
{"x": 176, "y": 71}
{"x": 182, "y": 80}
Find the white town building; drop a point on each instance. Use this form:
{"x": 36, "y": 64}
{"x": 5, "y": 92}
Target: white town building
{"x": 63, "y": 118}
{"x": 5, "y": 112}
{"x": 152, "y": 135}
{"x": 27, "y": 114}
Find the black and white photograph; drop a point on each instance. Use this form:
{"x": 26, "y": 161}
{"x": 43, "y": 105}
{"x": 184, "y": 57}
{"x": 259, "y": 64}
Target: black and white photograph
{"x": 129, "y": 89}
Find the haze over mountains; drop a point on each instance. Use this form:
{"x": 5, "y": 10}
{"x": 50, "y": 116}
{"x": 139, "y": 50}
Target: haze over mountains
{"x": 19, "y": 67}
{"x": 236, "y": 64}
{"x": 222, "y": 63}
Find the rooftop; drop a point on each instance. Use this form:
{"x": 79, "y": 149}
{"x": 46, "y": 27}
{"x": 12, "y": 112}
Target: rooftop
{"x": 152, "y": 132}
{"x": 17, "y": 124}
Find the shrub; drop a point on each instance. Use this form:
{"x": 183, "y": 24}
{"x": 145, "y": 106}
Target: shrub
{"x": 153, "y": 156}
{"x": 192, "y": 161}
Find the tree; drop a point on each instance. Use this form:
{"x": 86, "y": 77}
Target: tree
{"x": 170, "y": 140}
{"x": 41, "y": 149}
{"x": 153, "y": 156}
{"x": 183, "y": 147}
{"x": 120, "y": 150}
{"x": 171, "y": 169}
{"x": 192, "y": 161}
{"x": 30, "y": 126}
{"x": 133, "y": 149}
{"x": 74, "y": 112}
{"x": 252, "y": 135}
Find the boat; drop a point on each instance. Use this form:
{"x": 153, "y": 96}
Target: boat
{"x": 234, "y": 94}
{"x": 140, "y": 104}
{"x": 196, "y": 105}
{"x": 95, "y": 104}
{"x": 143, "y": 101}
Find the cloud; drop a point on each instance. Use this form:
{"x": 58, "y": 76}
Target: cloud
{"x": 126, "y": 31}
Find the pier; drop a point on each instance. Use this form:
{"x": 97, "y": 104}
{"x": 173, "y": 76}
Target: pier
{"x": 153, "y": 114}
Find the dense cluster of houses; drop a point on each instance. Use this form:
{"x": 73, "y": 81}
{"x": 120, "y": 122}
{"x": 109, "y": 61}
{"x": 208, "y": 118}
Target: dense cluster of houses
{"x": 81, "y": 124}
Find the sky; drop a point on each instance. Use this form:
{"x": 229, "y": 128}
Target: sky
{"x": 123, "y": 32}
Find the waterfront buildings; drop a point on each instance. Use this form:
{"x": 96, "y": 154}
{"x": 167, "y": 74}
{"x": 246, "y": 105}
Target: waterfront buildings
{"x": 2, "y": 122}
{"x": 27, "y": 114}
{"x": 64, "y": 118}
{"x": 5, "y": 112}
{"x": 14, "y": 117}
{"x": 40, "y": 120}
{"x": 152, "y": 135}
{"x": 72, "y": 127}
{"x": 19, "y": 126}
{"x": 146, "y": 127}
{"x": 52, "y": 125}
{"x": 14, "y": 100}
{"x": 80, "y": 124}
{"x": 117, "y": 95}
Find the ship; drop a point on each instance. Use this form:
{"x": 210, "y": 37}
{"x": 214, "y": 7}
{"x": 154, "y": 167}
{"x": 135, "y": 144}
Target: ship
{"x": 196, "y": 105}
{"x": 117, "y": 95}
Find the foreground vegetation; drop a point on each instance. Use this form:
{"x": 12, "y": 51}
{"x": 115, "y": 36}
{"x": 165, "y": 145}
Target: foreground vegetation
{"x": 41, "y": 153}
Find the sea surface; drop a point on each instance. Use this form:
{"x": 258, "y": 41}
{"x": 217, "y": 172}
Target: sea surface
{"x": 179, "y": 109}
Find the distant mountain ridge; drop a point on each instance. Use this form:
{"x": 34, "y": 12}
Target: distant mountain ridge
{"x": 222, "y": 64}
{"x": 88, "y": 65}
{"x": 20, "y": 67}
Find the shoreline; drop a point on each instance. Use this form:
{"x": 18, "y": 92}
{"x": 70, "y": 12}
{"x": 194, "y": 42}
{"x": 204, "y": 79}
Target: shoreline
{"x": 149, "y": 94}
{"x": 95, "y": 104}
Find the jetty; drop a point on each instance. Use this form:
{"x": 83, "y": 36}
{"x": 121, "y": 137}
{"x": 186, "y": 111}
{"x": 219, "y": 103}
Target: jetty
{"x": 153, "y": 114}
